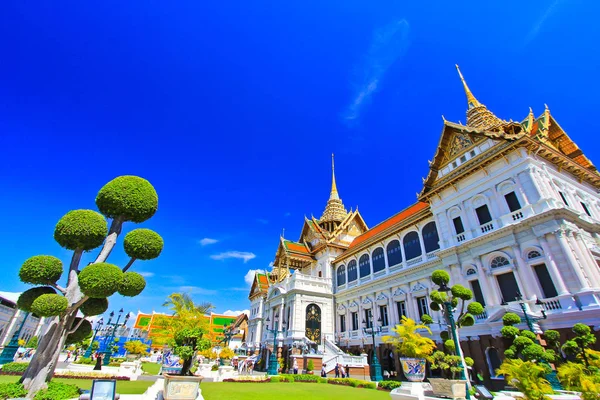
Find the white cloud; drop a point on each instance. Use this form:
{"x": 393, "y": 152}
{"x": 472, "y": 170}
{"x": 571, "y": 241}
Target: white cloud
{"x": 197, "y": 290}
{"x": 207, "y": 241}
{"x": 146, "y": 274}
{"x": 249, "y": 277}
{"x": 243, "y": 255}
{"x": 236, "y": 313}
{"x": 389, "y": 43}
{"x": 262, "y": 221}
{"x": 535, "y": 30}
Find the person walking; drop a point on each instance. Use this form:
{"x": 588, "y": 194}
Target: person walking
{"x": 342, "y": 371}
{"x": 347, "y": 371}
{"x": 337, "y": 370}
{"x": 323, "y": 371}
{"x": 295, "y": 366}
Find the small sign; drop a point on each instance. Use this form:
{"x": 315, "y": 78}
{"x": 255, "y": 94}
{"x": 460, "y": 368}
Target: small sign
{"x": 483, "y": 392}
{"x": 103, "y": 389}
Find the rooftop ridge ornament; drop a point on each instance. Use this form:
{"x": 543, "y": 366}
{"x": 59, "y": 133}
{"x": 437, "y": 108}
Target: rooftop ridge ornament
{"x": 471, "y": 100}
{"x": 334, "y": 193}
{"x": 334, "y": 210}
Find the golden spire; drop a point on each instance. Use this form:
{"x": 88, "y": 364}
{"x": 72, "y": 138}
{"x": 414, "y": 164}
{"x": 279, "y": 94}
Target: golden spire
{"x": 334, "y": 193}
{"x": 471, "y": 100}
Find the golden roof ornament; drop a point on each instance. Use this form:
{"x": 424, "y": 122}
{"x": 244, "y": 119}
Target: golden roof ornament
{"x": 478, "y": 116}
{"x": 335, "y": 210}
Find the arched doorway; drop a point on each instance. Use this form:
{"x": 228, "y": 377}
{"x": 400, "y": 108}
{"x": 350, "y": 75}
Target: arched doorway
{"x": 313, "y": 323}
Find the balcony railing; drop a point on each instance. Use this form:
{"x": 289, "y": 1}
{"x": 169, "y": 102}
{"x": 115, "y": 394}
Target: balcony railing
{"x": 482, "y": 317}
{"x": 487, "y": 227}
{"x": 414, "y": 261}
{"x": 460, "y": 237}
{"x": 551, "y": 304}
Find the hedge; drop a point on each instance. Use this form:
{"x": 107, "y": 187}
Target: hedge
{"x": 12, "y": 390}
{"x": 352, "y": 382}
{"x": 389, "y": 385}
{"x": 14, "y": 368}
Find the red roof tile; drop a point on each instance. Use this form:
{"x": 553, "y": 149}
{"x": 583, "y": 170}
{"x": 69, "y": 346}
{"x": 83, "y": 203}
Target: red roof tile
{"x": 402, "y": 215}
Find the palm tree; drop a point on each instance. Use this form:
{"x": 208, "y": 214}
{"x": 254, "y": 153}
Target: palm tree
{"x": 181, "y": 303}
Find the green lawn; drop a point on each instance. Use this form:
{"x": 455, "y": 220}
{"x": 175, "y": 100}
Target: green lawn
{"x": 151, "y": 368}
{"x": 279, "y": 391}
{"x": 123, "y": 387}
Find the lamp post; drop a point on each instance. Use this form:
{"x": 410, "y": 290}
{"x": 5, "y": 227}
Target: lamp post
{"x": 228, "y": 333}
{"x": 112, "y": 328}
{"x": 272, "y": 370}
{"x": 449, "y": 309}
{"x": 9, "y": 351}
{"x": 88, "y": 351}
{"x": 375, "y": 366}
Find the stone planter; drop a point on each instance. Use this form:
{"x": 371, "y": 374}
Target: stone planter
{"x": 181, "y": 387}
{"x": 453, "y": 388}
{"x": 414, "y": 369}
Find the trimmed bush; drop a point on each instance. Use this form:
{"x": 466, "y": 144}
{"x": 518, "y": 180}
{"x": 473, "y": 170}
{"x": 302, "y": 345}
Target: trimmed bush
{"x": 58, "y": 391}
{"x": 440, "y": 276}
{"x": 461, "y": 292}
{"x": 389, "y": 385}
{"x": 15, "y": 367}
{"x": 510, "y": 319}
{"x": 528, "y": 334}
{"x": 303, "y": 377}
{"x": 143, "y": 244}
{"x": 41, "y": 270}
{"x": 49, "y": 305}
{"x": 467, "y": 320}
{"x": 93, "y": 307}
{"x": 12, "y": 390}
{"x": 352, "y": 382}
{"x": 84, "y": 331}
{"x": 132, "y": 284}
{"x": 426, "y": 319}
{"x": 81, "y": 229}
{"x": 509, "y": 332}
{"x": 438, "y": 297}
{"x": 27, "y": 298}
{"x": 475, "y": 308}
{"x": 100, "y": 280}
{"x": 130, "y": 198}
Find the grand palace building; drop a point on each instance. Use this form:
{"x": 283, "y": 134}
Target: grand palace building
{"x": 510, "y": 209}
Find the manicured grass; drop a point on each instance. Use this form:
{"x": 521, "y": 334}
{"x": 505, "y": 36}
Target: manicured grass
{"x": 123, "y": 387}
{"x": 279, "y": 391}
{"x": 150, "y": 368}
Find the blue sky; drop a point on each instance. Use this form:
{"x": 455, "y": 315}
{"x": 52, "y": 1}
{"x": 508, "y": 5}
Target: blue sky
{"x": 232, "y": 111}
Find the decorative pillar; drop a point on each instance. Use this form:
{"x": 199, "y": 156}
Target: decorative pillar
{"x": 524, "y": 195}
{"x": 489, "y": 289}
{"x": 589, "y": 265}
{"x": 557, "y": 279}
{"x": 526, "y": 275}
{"x": 561, "y": 236}
{"x": 385, "y": 258}
{"x": 391, "y": 315}
{"x": 421, "y": 243}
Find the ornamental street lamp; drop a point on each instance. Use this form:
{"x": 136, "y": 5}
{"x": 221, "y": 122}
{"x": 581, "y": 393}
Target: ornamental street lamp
{"x": 112, "y": 328}
{"x": 449, "y": 311}
{"x": 375, "y": 367}
{"x": 272, "y": 370}
{"x": 9, "y": 351}
{"x": 88, "y": 351}
{"x": 228, "y": 333}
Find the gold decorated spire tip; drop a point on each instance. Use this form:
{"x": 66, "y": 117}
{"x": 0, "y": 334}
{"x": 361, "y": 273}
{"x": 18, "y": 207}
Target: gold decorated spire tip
{"x": 334, "y": 193}
{"x": 471, "y": 100}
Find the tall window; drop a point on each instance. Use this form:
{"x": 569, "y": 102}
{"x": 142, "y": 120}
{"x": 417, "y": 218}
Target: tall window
{"x": 545, "y": 280}
{"x": 564, "y": 199}
{"x": 483, "y": 214}
{"x": 412, "y": 247}
{"x": 364, "y": 265}
{"x": 394, "y": 253}
{"x": 352, "y": 273}
{"x": 508, "y": 286}
{"x": 401, "y": 305}
{"x": 423, "y": 306}
{"x": 458, "y": 225}
{"x": 430, "y": 237}
{"x": 378, "y": 260}
{"x": 368, "y": 319}
{"x": 512, "y": 201}
{"x": 341, "y": 275}
{"x": 493, "y": 361}
{"x": 342, "y": 323}
{"x": 477, "y": 293}
{"x": 586, "y": 209}
{"x": 384, "y": 315}
{"x": 354, "y": 321}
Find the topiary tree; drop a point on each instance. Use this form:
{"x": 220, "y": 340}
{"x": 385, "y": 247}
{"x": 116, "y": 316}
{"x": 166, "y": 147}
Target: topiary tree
{"x": 524, "y": 342}
{"x": 124, "y": 199}
{"x": 450, "y": 301}
{"x": 583, "y": 339}
{"x": 33, "y": 342}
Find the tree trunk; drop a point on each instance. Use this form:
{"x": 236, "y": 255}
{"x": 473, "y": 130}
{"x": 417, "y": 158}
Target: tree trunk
{"x": 186, "y": 366}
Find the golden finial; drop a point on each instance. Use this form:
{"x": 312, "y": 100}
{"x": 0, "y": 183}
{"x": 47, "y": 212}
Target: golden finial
{"x": 334, "y": 192}
{"x": 471, "y": 100}
{"x": 443, "y": 118}
{"x": 283, "y": 233}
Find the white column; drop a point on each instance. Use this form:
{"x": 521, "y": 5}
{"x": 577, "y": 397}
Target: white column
{"x": 526, "y": 274}
{"x": 490, "y": 292}
{"x": 553, "y": 270}
{"x": 421, "y": 243}
{"x": 11, "y": 326}
{"x": 391, "y": 318}
{"x": 385, "y": 258}
{"x": 590, "y": 266}
{"x": 568, "y": 253}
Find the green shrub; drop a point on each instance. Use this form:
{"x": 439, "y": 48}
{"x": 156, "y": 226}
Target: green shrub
{"x": 461, "y": 292}
{"x": 389, "y": 385}
{"x": 130, "y": 198}
{"x": 41, "y": 270}
{"x": 426, "y": 319}
{"x": 310, "y": 366}
{"x": 132, "y": 284}
{"x": 27, "y": 298}
{"x": 85, "y": 361}
{"x": 93, "y": 307}
{"x": 215, "y": 367}
{"x": 12, "y": 390}
{"x": 58, "y": 391}
{"x": 321, "y": 380}
{"x": 100, "y": 280}
{"x": 510, "y": 319}
{"x": 15, "y": 367}
{"x": 49, "y": 305}
{"x": 303, "y": 377}
{"x": 352, "y": 382}
{"x": 509, "y": 332}
{"x": 440, "y": 276}
{"x": 81, "y": 230}
{"x": 143, "y": 244}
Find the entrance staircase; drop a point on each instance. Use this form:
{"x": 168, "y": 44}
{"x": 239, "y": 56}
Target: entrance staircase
{"x": 334, "y": 355}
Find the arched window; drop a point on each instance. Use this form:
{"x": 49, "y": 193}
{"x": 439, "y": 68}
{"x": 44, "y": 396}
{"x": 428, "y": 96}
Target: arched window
{"x": 412, "y": 247}
{"x": 394, "y": 253}
{"x": 430, "y": 237}
{"x": 352, "y": 273}
{"x": 533, "y": 254}
{"x": 493, "y": 361}
{"x": 499, "y": 261}
{"x": 378, "y": 260}
{"x": 471, "y": 271}
{"x": 341, "y": 275}
{"x": 364, "y": 265}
